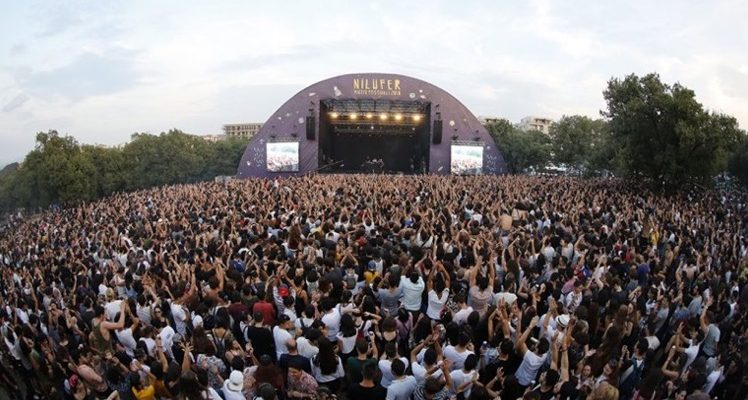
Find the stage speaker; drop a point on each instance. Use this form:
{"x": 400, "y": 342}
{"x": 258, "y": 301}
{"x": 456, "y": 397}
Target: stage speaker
{"x": 437, "y": 131}
{"x": 310, "y": 125}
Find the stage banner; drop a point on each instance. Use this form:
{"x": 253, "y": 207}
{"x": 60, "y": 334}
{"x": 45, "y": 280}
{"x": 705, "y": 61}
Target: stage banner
{"x": 467, "y": 159}
{"x": 282, "y": 157}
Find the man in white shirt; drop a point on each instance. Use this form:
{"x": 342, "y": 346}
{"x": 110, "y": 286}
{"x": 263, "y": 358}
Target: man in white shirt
{"x": 574, "y": 298}
{"x": 531, "y": 360}
{"x": 412, "y": 290}
{"x": 402, "y": 386}
{"x": 429, "y": 363}
{"x": 281, "y": 336}
{"x": 462, "y": 378}
{"x": 458, "y": 354}
{"x": 180, "y": 316}
{"x": 385, "y": 364}
{"x": 331, "y": 319}
{"x": 307, "y": 346}
{"x": 464, "y": 312}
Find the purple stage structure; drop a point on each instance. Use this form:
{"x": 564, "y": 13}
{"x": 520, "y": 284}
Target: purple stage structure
{"x": 287, "y": 130}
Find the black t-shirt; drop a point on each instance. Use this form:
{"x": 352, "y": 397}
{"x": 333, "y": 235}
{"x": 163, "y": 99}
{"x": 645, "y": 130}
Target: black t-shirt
{"x": 509, "y": 366}
{"x": 544, "y": 395}
{"x": 262, "y": 341}
{"x": 356, "y": 391}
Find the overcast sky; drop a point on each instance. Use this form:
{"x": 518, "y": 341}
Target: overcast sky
{"x": 101, "y": 70}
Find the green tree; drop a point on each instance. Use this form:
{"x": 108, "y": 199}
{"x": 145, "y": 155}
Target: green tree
{"x": 663, "y": 133}
{"x": 738, "y": 162}
{"x": 522, "y": 150}
{"x": 61, "y": 171}
{"x": 581, "y": 142}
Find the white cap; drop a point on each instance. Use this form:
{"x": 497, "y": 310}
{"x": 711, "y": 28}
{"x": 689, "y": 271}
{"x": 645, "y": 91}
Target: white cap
{"x": 236, "y": 381}
{"x": 563, "y": 320}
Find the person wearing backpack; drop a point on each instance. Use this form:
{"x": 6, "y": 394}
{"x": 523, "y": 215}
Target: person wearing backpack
{"x": 633, "y": 370}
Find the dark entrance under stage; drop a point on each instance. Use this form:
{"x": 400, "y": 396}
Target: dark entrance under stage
{"x": 379, "y": 136}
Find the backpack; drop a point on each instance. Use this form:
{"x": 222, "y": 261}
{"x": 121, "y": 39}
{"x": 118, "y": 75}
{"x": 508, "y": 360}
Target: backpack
{"x": 631, "y": 382}
{"x": 220, "y": 344}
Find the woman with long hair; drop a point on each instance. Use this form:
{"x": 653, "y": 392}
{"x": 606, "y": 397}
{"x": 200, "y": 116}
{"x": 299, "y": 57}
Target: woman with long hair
{"x": 610, "y": 347}
{"x": 327, "y": 367}
{"x": 347, "y": 337}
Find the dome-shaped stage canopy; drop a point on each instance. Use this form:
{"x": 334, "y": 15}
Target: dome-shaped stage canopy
{"x": 371, "y": 123}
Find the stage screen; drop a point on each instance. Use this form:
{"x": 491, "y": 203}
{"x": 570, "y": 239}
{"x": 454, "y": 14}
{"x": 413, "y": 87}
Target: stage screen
{"x": 466, "y": 159}
{"x": 282, "y": 157}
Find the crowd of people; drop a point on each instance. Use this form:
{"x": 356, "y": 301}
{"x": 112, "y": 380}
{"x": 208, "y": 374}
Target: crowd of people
{"x": 380, "y": 287}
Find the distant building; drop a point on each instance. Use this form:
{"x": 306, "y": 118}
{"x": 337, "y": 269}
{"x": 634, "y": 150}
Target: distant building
{"x": 485, "y": 120}
{"x": 242, "y": 130}
{"x": 214, "y": 138}
{"x": 536, "y": 123}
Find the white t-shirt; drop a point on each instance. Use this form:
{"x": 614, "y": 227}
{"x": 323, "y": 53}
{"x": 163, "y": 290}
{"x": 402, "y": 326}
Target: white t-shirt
{"x": 332, "y": 321}
{"x": 177, "y": 311}
{"x": 112, "y": 308}
{"x": 385, "y": 367}
{"x": 436, "y": 304}
{"x": 348, "y": 344}
{"x": 402, "y": 389}
{"x": 653, "y": 341}
{"x": 303, "y": 322}
{"x": 457, "y": 358}
{"x": 459, "y": 377}
{"x": 321, "y": 378}
{"x": 144, "y": 314}
{"x": 281, "y": 336}
{"x": 419, "y": 372}
{"x": 412, "y": 293}
{"x": 167, "y": 339}
{"x": 711, "y": 380}
{"x": 150, "y": 345}
{"x": 461, "y": 316}
{"x": 127, "y": 340}
{"x": 291, "y": 314}
{"x": 306, "y": 348}
{"x": 527, "y": 371}
{"x": 691, "y": 352}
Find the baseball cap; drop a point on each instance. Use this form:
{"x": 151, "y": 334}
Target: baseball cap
{"x": 283, "y": 291}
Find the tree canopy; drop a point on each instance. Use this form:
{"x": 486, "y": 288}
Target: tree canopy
{"x": 522, "y": 150}
{"x": 581, "y": 142}
{"x": 661, "y": 132}
{"x": 61, "y": 171}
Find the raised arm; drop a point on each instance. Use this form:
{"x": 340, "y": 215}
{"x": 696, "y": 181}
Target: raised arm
{"x": 520, "y": 345}
{"x": 120, "y": 323}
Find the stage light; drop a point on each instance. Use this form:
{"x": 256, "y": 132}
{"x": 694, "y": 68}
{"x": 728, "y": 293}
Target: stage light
{"x": 369, "y": 115}
{"x": 383, "y": 116}
{"x": 398, "y": 117}
{"x": 333, "y": 115}
{"x": 416, "y": 118}
{"x": 353, "y": 116}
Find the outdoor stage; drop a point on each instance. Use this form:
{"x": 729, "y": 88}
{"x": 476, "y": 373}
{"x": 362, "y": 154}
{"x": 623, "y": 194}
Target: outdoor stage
{"x": 371, "y": 123}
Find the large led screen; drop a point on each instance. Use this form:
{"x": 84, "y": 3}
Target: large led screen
{"x": 466, "y": 159}
{"x": 282, "y": 157}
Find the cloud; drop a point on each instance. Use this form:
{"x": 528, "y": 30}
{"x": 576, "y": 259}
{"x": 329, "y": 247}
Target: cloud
{"x": 18, "y": 49}
{"x": 16, "y": 102}
{"x": 87, "y": 75}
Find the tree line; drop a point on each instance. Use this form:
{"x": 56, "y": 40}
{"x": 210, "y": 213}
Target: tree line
{"x": 650, "y": 130}
{"x": 61, "y": 171}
